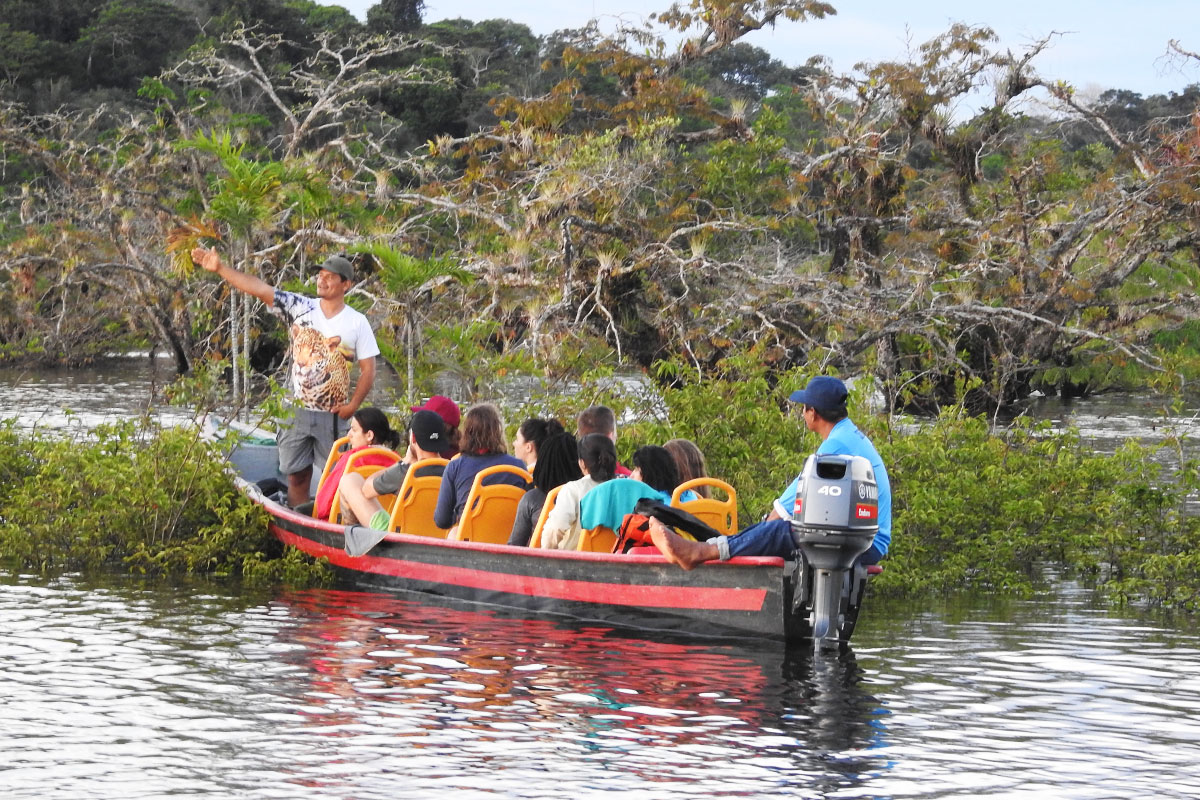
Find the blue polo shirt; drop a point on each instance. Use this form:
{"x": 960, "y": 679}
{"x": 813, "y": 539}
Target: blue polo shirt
{"x": 847, "y": 440}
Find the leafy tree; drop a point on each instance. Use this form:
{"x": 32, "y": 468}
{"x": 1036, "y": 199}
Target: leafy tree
{"x": 23, "y": 55}
{"x": 744, "y": 71}
{"x": 321, "y": 18}
{"x": 407, "y": 279}
{"x": 129, "y": 39}
{"x": 395, "y": 16}
{"x": 487, "y": 60}
{"x": 50, "y": 20}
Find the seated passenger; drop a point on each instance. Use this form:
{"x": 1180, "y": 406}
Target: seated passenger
{"x": 597, "y": 460}
{"x": 368, "y": 428}
{"x": 481, "y": 446}
{"x": 824, "y": 410}
{"x": 689, "y": 460}
{"x": 530, "y": 436}
{"x": 653, "y": 472}
{"x": 426, "y": 438}
{"x": 599, "y": 419}
{"x": 557, "y": 463}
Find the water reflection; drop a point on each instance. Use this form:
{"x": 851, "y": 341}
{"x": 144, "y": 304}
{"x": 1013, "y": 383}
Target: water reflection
{"x": 114, "y": 689}
{"x": 1056, "y": 697}
{"x": 540, "y": 698}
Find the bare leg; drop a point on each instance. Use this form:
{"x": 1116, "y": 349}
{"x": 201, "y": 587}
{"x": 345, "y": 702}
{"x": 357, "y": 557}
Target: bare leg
{"x": 685, "y": 553}
{"x": 298, "y": 486}
{"x": 351, "y": 491}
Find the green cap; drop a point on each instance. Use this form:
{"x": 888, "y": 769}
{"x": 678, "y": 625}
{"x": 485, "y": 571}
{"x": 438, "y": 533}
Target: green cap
{"x": 339, "y": 266}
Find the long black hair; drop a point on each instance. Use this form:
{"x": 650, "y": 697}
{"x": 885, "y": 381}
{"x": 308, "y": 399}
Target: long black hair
{"x": 657, "y": 466}
{"x": 599, "y": 455}
{"x": 557, "y": 463}
{"x": 373, "y": 420}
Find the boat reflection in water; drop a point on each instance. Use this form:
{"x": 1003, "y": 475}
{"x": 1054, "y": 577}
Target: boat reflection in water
{"x": 438, "y": 690}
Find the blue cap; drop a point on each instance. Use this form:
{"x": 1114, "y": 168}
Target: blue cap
{"x": 822, "y": 392}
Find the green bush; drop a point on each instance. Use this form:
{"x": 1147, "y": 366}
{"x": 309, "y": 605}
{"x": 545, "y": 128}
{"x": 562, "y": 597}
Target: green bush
{"x": 154, "y": 501}
{"x": 974, "y": 508}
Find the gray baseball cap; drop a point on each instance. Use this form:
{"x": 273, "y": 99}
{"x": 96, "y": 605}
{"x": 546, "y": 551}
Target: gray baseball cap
{"x": 338, "y": 265}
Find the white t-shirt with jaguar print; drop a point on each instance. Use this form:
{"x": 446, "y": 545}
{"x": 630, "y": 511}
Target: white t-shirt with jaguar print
{"x": 323, "y": 349}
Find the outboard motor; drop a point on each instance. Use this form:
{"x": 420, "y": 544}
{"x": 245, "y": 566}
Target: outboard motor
{"x": 835, "y": 521}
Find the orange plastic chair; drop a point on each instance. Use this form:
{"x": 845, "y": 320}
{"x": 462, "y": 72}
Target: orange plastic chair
{"x": 536, "y": 539}
{"x": 416, "y": 500}
{"x": 366, "y": 470}
{"x": 721, "y": 514}
{"x": 490, "y": 510}
{"x": 600, "y": 539}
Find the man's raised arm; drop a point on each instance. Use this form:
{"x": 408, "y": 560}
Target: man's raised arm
{"x": 251, "y": 285}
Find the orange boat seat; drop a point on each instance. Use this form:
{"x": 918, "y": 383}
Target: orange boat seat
{"x": 353, "y": 464}
{"x": 340, "y": 446}
{"x": 490, "y": 511}
{"x": 721, "y": 514}
{"x": 536, "y": 539}
{"x": 416, "y": 500}
{"x": 600, "y": 539}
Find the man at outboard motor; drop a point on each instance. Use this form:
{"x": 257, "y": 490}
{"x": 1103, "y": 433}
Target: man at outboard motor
{"x": 825, "y": 414}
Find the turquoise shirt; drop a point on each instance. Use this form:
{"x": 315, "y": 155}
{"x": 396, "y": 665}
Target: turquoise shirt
{"x": 609, "y": 502}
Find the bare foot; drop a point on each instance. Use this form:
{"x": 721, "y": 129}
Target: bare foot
{"x": 685, "y": 553}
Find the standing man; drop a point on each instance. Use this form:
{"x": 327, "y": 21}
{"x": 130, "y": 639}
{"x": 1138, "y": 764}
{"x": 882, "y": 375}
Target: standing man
{"x": 326, "y": 335}
{"x": 824, "y": 413}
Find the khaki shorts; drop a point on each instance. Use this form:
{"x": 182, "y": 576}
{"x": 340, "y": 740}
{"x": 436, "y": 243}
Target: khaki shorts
{"x": 308, "y": 440}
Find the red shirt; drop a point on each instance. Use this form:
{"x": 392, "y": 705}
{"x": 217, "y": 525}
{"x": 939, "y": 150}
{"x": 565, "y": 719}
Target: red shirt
{"x": 329, "y": 487}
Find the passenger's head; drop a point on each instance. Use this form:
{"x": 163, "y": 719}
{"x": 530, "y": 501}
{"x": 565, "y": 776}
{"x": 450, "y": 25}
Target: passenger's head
{"x": 597, "y": 419}
{"x": 533, "y": 432}
{"x": 448, "y": 410}
{"x": 825, "y": 395}
{"x": 557, "y": 462}
{"x": 689, "y": 461}
{"x": 428, "y": 433}
{"x": 482, "y": 431}
{"x": 369, "y": 427}
{"x": 599, "y": 456}
{"x": 654, "y": 466}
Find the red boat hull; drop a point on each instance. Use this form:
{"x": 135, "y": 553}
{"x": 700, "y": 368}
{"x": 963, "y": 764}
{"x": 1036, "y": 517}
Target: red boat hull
{"x": 741, "y": 597}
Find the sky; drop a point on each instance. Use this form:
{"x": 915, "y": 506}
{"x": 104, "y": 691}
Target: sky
{"x": 1104, "y": 43}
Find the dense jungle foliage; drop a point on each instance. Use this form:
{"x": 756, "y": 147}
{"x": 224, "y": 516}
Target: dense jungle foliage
{"x": 148, "y": 500}
{"x": 556, "y": 209}
{"x": 604, "y": 193}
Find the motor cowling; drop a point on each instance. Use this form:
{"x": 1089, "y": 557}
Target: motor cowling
{"x": 835, "y": 520}
{"x": 837, "y": 493}
{"x": 836, "y": 515}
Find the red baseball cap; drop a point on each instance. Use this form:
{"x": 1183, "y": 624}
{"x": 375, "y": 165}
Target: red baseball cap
{"x": 444, "y": 407}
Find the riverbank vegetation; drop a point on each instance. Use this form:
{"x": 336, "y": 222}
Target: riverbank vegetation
{"x": 665, "y": 199}
{"x": 976, "y": 508}
{"x": 137, "y": 498}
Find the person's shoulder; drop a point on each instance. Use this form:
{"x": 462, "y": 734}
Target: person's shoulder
{"x": 353, "y": 314}
{"x": 427, "y": 470}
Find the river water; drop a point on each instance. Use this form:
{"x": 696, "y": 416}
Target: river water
{"x": 117, "y": 689}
